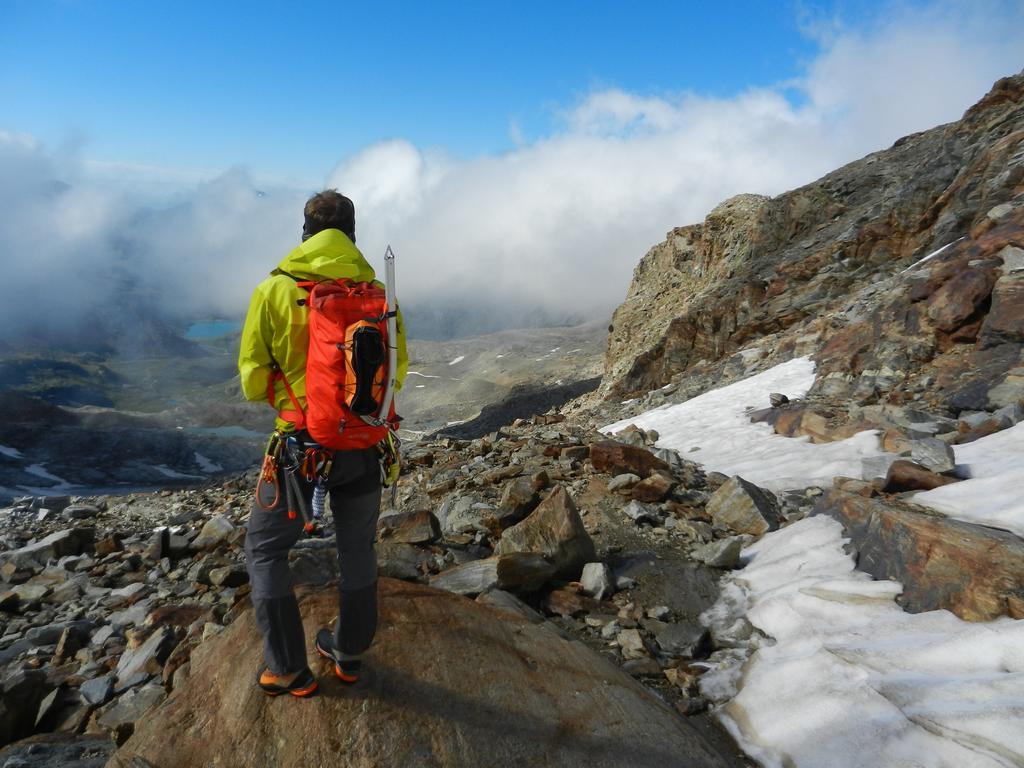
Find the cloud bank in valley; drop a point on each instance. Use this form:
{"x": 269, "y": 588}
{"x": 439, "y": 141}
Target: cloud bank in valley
{"x": 555, "y": 225}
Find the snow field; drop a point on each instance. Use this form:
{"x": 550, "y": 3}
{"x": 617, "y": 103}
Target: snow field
{"x": 992, "y": 496}
{"x": 852, "y": 680}
{"x": 821, "y": 666}
{"x": 714, "y": 430}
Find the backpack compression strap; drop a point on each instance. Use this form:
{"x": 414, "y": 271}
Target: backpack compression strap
{"x": 296, "y": 417}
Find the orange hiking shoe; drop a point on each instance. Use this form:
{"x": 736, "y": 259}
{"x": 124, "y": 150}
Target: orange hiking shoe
{"x": 302, "y": 686}
{"x": 346, "y": 670}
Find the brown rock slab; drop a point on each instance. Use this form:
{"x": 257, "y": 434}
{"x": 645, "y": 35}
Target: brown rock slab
{"x": 508, "y": 693}
{"x": 616, "y": 458}
{"x": 972, "y": 570}
{"x": 955, "y": 302}
{"x": 1005, "y": 320}
{"x": 569, "y": 602}
{"x": 554, "y": 530}
{"x": 654, "y": 488}
{"x": 420, "y": 527}
{"x": 905, "y": 475}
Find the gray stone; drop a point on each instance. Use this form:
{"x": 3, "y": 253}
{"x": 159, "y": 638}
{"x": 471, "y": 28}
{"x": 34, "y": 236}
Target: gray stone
{"x": 933, "y": 453}
{"x": 216, "y": 530}
{"x": 129, "y": 591}
{"x": 32, "y": 556}
{"x": 229, "y": 576}
{"x": 742, "y": 507}
{"x": 98, "y": 690}
{"x": 974, "y": 419}
{"x": 1009, "y": 392}
{"x": 1000, "y": 211}
{"x": 597, "y": 581}
{"x": 874, "y": 467}
{"x": 724, "y": 553}
{"x": 55, "y": 503}
{"x": 464, "y": 515}
{"x": 1013, "y": 259}
{"x": 695, "y": 529}
{"x": 134, "y": 615}
{"x": 131, "y": 707}
{"x": 400, "y": 561}
{"x": 101, "y": 635}
{"x": 1014, "y": 413}
{"x": 81, "y": 511}
{"x": 30, "y": 593}
{"x": 631, "y": 643}
{"x": 134, "y": 680}
{"x": 522, "y": 571}
{"x": 50, "y": 634}
{"x": 689, "y": 640}
{"x": 518, "y": 500}
{"x": 148, "y": 657}
{"x": 554, "y": 530}
{"x": 626, "y": 480}
{"x": 639, "y": 512}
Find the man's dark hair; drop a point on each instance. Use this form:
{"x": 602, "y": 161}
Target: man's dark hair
{"x": 329, "y": 210}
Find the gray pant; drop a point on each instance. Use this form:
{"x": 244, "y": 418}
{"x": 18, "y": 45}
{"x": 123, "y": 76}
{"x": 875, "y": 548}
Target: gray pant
{"x": 355, "y": 491}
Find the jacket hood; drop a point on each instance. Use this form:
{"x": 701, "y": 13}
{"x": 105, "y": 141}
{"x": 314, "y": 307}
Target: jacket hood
{"x": 327, "y": 254}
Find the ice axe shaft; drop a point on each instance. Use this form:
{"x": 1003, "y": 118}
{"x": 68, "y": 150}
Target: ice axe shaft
{"x": 392, "y": 306}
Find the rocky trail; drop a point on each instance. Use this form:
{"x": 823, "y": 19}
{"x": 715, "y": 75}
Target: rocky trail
{"x": 108, "y": 601}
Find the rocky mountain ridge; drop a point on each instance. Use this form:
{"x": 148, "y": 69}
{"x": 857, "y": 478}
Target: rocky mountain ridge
{"x": 783, "y": 276}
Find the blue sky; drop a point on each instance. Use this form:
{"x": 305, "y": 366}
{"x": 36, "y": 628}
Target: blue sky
{"x": 289, "y": 90}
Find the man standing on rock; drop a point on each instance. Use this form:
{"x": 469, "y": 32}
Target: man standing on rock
{"x": 272, "y": 364}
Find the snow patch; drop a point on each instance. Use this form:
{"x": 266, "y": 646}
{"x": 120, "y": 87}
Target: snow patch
{"x": 850, "y": 679}
{"x": 992, "y": 495}
{"x": 427, "y": 375}
{"x": 717, "y": 424}
{"x": 11, "y": 453}
{"x": 932, "y": 255}
{"x": 39, "y": 470}
{"x": 458, "y": 359}
{"x": 206, "y": 465}
{"x": 166, "y": 471}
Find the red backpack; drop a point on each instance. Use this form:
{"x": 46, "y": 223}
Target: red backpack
{"x": 346, "y": 367}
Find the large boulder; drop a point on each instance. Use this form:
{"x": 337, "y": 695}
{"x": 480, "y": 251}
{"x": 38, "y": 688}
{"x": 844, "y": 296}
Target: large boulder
{"x": 972, "y": 570}
{"x": 742, "y": 507}
{"x": 554, "y": 530}
{"x": 450, "y": 682}
{"x": 617, "y": 458}
{"x": 518, "y": 571}
{"x": 72, "y": 541}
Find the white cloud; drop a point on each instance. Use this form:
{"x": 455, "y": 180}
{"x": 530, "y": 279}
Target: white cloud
{"x": 557, "y": 223}
{"x": 563, "y": 220}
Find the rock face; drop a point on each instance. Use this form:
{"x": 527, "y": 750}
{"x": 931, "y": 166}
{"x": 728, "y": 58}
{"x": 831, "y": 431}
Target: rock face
{"x": 812, "y": 264}
{"x": 498, "y": 700}
{"x": 974, "y": 571}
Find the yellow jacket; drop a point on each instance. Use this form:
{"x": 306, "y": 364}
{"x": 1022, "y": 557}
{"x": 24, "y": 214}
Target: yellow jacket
{"x": 276, "y": 327}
